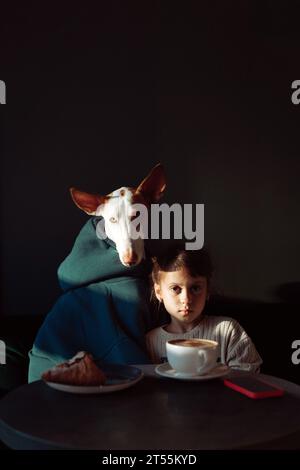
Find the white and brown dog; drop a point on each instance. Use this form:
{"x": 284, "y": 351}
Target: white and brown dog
{"x": 118, "y": 210}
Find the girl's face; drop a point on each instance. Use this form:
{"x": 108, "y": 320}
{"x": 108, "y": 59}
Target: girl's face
{"x": 183, "y": 296}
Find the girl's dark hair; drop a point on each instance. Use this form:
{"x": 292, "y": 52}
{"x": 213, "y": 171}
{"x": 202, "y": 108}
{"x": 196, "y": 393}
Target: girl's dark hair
{"x": 196, "y": 262}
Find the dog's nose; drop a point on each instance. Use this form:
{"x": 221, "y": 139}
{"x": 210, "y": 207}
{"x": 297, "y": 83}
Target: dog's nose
{"x": 130, "y": 258}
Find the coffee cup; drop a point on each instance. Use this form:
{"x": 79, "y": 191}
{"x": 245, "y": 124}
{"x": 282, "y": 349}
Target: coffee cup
{"x": 191, "y": 357}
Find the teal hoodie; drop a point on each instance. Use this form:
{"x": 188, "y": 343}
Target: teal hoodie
{"x": 104, "y": 309}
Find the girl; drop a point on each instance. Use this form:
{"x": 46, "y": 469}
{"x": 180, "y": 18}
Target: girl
{"x": 181, "y": 282}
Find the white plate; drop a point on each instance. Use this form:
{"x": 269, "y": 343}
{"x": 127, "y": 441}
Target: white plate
{"x": 166, "y": 370}
{"x": 118, "y": 376}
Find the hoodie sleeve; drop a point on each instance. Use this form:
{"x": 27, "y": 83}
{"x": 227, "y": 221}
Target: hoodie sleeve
{"x": 60, "y": 337}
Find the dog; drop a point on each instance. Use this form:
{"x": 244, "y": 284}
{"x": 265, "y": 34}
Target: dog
{"x": 103, "y": 308}
{"x": 118, "y": 210}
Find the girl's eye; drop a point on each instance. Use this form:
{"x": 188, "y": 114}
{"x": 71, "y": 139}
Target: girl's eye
{"x": 113, "y": 220}
{"x": 176, "y": 289}
{"x": 196, "y": 289}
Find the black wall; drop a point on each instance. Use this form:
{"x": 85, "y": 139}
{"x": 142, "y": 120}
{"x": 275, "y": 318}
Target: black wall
{"x": 96, "y": 97}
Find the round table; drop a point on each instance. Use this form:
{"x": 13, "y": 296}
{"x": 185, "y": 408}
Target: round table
{"x": 156, "y": 413}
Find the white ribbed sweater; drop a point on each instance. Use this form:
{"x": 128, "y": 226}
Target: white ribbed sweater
{"x": 235, "y": 347}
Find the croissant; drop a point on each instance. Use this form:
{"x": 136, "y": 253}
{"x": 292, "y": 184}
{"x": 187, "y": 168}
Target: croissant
{"x": 80, "y": 370}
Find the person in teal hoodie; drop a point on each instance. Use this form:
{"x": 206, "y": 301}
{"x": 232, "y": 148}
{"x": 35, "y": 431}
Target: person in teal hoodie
{"x": 105, "y": 308}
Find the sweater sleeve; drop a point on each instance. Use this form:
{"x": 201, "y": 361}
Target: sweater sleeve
{"x": 156, "y": 346}
{"x": 241, "y": 352}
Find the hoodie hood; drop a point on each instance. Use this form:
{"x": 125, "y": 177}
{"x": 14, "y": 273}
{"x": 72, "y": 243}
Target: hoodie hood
{"x": 93, "y": 259}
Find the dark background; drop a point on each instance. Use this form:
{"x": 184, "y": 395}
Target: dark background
{"x": 97, "y": 96}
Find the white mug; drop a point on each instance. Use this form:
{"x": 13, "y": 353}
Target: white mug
{"x": 192, "y": 357}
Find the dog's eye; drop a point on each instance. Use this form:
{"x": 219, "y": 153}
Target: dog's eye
{"x": 113, "y": 220}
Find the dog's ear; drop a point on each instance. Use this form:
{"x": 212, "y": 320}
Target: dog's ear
{"x": 153, "y": 186}
{"x": 87, "y": 202}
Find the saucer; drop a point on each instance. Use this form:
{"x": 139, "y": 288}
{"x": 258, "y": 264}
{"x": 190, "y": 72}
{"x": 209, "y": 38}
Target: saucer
{"x": 166, "y": 370}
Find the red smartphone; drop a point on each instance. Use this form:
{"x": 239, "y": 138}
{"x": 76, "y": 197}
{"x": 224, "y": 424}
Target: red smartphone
{"x": 253, "y": 387}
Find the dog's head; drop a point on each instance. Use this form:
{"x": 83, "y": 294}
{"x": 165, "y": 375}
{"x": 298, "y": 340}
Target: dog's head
{"x": 119, "y": 210}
